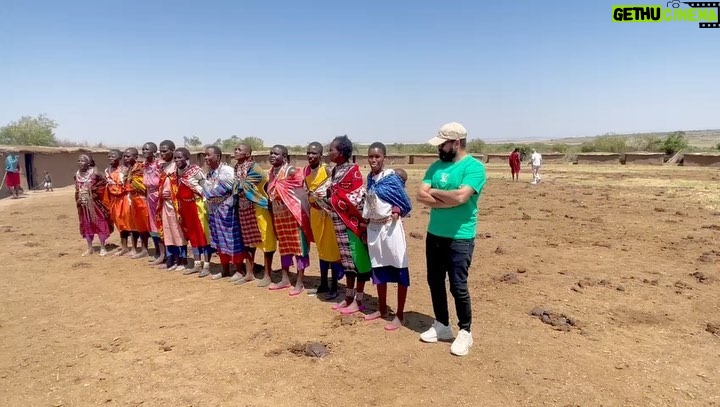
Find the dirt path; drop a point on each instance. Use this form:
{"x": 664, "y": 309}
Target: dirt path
{"x": 612, "y": 250}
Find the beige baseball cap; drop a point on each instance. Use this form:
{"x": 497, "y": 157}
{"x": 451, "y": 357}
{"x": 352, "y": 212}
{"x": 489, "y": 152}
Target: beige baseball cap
{"x": 449, "y": 132}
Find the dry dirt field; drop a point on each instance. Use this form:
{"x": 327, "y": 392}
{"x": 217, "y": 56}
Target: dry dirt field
{"x": 630, "y": 255}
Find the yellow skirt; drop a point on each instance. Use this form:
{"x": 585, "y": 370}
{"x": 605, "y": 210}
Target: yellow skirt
{"x": 324, "y": 233}
{"x": 264, "y": 222}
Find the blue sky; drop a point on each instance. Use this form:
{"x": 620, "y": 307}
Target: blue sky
{"x": 291, "y": 72}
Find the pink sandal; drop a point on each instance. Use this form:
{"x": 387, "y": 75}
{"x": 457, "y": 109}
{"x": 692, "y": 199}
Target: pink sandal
{"x": 275, "y": 287}
{"x": 374, "y": 316}
{"x": 338, "y": 306}
{"x": 346, "y": 311}
{"x": 296, "y": 293}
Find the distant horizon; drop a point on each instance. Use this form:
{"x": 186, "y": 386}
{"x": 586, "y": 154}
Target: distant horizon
{"x": 470, "y": 137}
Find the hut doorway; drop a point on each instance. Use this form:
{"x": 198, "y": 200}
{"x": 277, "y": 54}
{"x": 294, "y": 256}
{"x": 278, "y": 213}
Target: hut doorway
{"x": 29, "y": 174}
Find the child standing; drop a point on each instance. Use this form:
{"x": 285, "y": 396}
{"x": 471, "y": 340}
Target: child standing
{"x": 386, "y": 203}
{"x": 48, "y": 182}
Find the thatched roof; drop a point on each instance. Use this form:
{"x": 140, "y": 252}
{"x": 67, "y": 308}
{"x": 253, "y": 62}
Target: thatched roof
{"x": 50, "y": 150}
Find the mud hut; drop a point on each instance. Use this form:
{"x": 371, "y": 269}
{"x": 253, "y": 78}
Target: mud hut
{"x": 598, "y": 158}
{"x": 552, "y": 158}
{"x": 494, "y": 158}
{"x": 644, "y": 158}
{"x": 59, "y": 162}
{"x": 701, "y": 160}
{"x": 422, "y": 159}
{"x": 427, "y": 159}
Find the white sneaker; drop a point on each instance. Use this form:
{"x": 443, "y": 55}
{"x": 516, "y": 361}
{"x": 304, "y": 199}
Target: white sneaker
{"x": 461, "y": 345}
{"x": 437, "y": 331}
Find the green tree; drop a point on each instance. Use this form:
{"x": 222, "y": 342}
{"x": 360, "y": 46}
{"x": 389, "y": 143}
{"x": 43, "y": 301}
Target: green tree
{"x": 675, "y": 142}
{"x": 256, "y": 143}
{"x": 717, "y": 147}
{"x": 30, "y": 131}
{"x": 192, "y": 142}
{"x": 228, "y": 145}
{"x": 475, "y": 146}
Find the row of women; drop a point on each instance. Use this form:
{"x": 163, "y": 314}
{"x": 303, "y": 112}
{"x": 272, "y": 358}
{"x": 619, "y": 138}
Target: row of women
{"x": 357, "y": 228}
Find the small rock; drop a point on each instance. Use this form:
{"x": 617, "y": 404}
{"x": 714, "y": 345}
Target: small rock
{"x": 416, "y": 235}
{"x": 576, "y": 289}
{"x": 81, "y": 265}
{"x": 537, "y": 311}
{"x": 510, "y": 278}
{"x": 166, "y": 348}
{"x": 702, "y": 278}
{"x": 707, "y": 258}
{"x": 659, "y": 209}
{"x": 620, "y": 288}
{"x": 713, "y": 328}
{"x": 525, "y": 216}
{"x": 58, "y": 404}
{"x": 682, "y": 286}
{"x": 499, "y": 250}
{"x": 522, "y": 270}
{"x": 681, "y": 213}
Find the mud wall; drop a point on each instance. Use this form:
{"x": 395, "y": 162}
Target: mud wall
{"x": 498, "y": 158}
{"x": 644, "y": 159}
{"x": 598, "y": 159}
{"x": 701, "y": 160}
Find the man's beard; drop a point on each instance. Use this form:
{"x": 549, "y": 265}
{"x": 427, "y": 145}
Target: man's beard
{"x": 447, "y": 156}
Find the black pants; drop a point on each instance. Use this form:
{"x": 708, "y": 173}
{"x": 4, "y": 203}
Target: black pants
{"x": 452, "y": 258}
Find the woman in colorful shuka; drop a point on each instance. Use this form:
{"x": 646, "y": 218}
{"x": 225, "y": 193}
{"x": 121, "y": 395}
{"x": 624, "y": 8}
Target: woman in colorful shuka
{"x": 140, "y": 222}
{"x": 151, "y": 179}
{"x": 386, "y": 203}
{"x": 347, "y": 197}
{"x": 93, "y": 214}
{"x": 167, "y": 212}
{"x": 291, "y": 217}
{"x": 317, "y": 182}
{"x": 116, "y": 174}
{"x": 192, "y": 210}
{"x": 225, "y": 234}
{"x": 255, "y": 219}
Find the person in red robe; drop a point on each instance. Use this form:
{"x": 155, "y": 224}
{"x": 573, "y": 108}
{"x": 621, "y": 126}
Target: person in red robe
{"x": 515, "y": 164}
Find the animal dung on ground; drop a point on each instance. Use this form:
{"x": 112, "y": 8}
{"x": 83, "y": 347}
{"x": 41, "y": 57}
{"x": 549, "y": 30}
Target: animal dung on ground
{"x": 559, "y": 322}
{"x": 510, "y": 278}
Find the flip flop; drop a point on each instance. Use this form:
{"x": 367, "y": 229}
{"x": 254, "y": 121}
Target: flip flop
{"x": 278, "y": 288}
{"x": 346, "y": 311}
{"x": 372, "y": 317}
{"x": 391, "y": 328}
{"x": 338, "y": 306}
{"x": 242, "y": 281}
{"x": 296, "y": 293}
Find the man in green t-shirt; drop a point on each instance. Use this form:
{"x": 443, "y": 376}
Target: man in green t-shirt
{"x": 451, "y": 188}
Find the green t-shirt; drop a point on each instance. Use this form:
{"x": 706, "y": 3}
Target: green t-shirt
{"x": 460, "y": 221}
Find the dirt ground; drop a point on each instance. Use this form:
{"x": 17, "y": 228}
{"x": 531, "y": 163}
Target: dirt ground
{"x": 606, "y": 254}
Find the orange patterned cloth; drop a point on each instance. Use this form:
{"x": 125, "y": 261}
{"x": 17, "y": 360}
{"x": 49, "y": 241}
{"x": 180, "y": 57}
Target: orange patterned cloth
{"x": 139, "y": 218}
{"x": 118, "y": 197}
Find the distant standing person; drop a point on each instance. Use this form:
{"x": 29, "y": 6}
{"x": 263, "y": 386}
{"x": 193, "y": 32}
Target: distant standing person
{"x": 48, "y": 182}
{"x": 12, "y": 175}
{"x": 451, "y": 188}
{"x": 515, "y": 164}
{"x": 536, "y": 162}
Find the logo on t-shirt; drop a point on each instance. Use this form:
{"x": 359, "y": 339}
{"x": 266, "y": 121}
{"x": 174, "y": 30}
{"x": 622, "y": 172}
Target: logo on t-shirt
{"x": 444, "y": 177}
